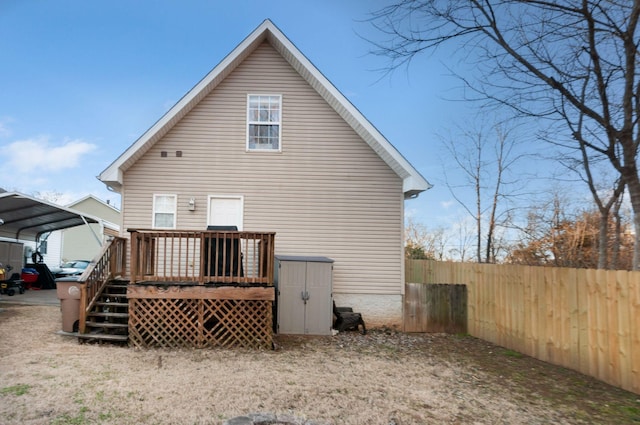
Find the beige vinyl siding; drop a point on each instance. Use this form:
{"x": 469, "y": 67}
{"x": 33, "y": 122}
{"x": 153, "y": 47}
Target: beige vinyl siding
{"x": 79, "y": 243}
{"x": 327, "y": 193}
{"x": 97, "y": 209}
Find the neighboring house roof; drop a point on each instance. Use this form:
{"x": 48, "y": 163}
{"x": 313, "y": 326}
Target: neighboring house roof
{"x": 106, "y": 223}
{"x": 106, "y": 204}
{"x": 26, "y": 218}
{"x": 413, "y": 182}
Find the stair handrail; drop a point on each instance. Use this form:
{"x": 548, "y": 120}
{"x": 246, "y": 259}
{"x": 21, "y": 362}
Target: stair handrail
{"x": 107, "y": 265}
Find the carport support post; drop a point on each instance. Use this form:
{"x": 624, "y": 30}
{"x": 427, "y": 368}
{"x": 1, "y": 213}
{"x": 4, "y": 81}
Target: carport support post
{"x": 92, "y": 231}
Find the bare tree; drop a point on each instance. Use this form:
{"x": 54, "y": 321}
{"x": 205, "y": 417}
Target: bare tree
{"x": 607, "y": 193}
{"x": 557, "y": 235}
{"x": 619, "y": 223}
{"x": 486, "y": 157}
{"x": 555, "y": 59}
{"x": 423, "y": 243}
{"x": 464, "y": 239}
{"x": 608, "y": 199}
{"x": 49, "y": 196}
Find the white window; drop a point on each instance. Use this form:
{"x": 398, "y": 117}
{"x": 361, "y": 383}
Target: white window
{"x": 164, "y": 211}
{"x": 263, "y": 122}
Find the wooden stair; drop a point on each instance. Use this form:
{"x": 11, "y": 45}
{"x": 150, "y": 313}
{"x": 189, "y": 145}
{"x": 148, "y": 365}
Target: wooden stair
{"x": 108, "y": 320}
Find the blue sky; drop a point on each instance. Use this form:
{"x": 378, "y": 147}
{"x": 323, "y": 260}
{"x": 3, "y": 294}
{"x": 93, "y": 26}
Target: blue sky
{"x": 81, "y": 80}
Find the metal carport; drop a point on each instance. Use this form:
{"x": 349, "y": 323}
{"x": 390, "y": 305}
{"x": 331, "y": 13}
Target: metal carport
{"x": 23, "y": 217}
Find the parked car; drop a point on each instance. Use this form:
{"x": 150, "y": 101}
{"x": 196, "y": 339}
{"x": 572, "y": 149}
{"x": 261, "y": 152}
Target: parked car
{"x": 70, "y": 268}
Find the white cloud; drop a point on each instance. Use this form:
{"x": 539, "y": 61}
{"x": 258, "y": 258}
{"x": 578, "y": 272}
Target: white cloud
{"x": 4, "y": 128}
{"x": 42, "y": 155}
{"x": 446, "y": 204}
{"x": 410, "y": 212}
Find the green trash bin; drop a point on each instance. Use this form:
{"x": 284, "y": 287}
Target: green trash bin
{"x": 68, "y": 291}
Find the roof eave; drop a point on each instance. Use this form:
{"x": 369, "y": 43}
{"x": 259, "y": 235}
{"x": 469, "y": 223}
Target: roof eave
{"x": 112, "y": 176}
{"x": 413, "y": 187}
{"x": 413, "y": 181}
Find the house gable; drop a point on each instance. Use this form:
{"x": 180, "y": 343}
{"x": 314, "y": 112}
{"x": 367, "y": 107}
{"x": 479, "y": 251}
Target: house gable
{"x": 336, "y": 188}
{"x": 326, "y": 193}
{"x": 84, "y": 242}
{"x": 412, "y": 182}
{"x": 92, "y": 205}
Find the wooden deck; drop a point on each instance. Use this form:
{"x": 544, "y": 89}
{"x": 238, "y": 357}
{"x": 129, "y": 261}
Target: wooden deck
{"x": 200, "y": 316}
{"x": 202, "y": 257}
{"x": 195, "y": 288}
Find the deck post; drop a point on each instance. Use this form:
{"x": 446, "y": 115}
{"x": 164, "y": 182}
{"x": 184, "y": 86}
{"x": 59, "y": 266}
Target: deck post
{"x": 134, "y": 256}
{"x": 82, "y": 319}
{"x": 202, "y": 260}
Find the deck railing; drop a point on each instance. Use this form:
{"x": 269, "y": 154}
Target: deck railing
{"x": 202, "y": 257}
{"x": 108, "y": 264}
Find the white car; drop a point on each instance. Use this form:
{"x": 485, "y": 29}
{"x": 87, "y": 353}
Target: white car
{"x": 71, "y": 268}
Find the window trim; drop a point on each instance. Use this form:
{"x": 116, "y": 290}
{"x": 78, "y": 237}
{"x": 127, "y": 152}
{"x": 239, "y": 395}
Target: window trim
{"x": 278, "y": 123}
{"x": 154, "y": 212}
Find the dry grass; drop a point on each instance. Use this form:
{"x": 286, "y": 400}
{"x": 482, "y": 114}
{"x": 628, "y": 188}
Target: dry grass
{"x": 381, "y": 378}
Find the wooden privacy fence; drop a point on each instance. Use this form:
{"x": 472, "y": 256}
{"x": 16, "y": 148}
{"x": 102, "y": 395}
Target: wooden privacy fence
{"x": 583, "y": 319}
{"x": 433, "y": 307}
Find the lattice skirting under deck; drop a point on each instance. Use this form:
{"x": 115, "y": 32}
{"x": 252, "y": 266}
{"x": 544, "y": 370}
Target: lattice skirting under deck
{"x": 200, "y": 323}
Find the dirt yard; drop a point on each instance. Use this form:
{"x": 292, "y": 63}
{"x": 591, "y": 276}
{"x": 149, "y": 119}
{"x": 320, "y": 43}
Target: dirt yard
{"x": 381, "y": 378}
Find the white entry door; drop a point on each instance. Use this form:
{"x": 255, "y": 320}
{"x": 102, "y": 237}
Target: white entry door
{"x": 226, "y": 211}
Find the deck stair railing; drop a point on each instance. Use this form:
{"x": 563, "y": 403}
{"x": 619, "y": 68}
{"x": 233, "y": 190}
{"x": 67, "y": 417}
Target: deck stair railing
{"x": 202, "y": 257}
{"x": 109, "y": 264}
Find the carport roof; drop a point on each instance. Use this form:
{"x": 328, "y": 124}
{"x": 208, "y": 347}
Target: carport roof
{"x": 26, "y": 218}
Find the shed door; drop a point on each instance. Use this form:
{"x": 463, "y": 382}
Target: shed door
{"x": 304, "y": 297}
{"x": 291, "y": 285}
{"x": 225, "y": 211}
{"x": 319, "y": 307}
